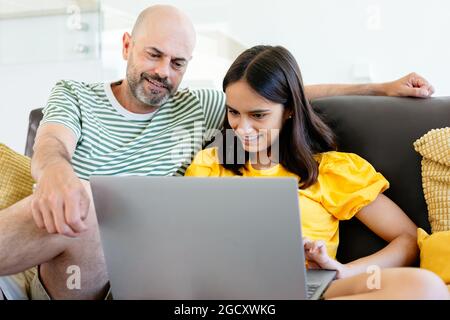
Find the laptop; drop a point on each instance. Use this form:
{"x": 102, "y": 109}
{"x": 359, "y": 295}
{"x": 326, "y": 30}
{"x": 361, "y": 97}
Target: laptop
{"x": 176, "y": 238}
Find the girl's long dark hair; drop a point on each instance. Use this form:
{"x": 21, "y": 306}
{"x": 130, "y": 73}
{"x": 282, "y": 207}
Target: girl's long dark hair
{"x": 274, "y": 74}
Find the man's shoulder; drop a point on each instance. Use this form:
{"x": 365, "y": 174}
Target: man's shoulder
{"x": 212, "y": 101}
{"x": 77, "y": 87}
{"x": 202, "y": 92}
{"x": 199, "y": 93}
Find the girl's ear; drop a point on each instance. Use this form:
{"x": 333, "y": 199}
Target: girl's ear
{"x": 287, "y": 115}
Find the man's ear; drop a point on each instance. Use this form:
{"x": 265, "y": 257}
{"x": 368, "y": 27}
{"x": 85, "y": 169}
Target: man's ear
{"x": 127, "y": 44}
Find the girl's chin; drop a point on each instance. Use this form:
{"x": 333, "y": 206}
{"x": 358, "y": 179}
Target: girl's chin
{"x": 253, "y": 149}
{"x": 253, "y": 146}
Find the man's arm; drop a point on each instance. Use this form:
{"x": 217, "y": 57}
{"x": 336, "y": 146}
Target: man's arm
{"x": 60, "y": 202}
{"x": 412, "y": 85}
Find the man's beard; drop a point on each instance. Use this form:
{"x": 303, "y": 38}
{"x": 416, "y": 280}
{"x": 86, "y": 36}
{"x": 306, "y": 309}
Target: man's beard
{"x": 153, "y": 98}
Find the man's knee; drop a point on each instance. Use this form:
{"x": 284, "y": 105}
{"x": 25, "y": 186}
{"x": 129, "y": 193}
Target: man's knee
{"x": 22, "y": 244}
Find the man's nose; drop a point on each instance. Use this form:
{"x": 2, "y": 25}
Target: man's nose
{"x": 162, "y": 68}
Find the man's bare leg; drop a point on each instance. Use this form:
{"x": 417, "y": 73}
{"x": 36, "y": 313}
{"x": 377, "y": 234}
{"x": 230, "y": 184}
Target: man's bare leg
{"x": 23, "y": 245}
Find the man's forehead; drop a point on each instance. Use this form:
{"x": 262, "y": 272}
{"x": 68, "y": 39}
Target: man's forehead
{"x": 165, "y": 53}
{"x": 174, "y": 45}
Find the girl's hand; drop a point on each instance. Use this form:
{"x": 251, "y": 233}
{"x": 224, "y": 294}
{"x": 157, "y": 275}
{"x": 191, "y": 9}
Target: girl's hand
{"x": 317, "y": 257}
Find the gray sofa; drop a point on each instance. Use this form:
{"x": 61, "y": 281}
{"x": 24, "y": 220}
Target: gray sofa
{"x": 381, "y": 130}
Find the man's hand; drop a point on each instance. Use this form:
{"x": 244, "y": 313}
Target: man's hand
{"x": 60, "y": 202}
{"x": 412, "y": 85}
{"x": 317, "y": 257}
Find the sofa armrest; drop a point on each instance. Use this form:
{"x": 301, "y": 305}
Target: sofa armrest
{"x": 33, "y": 124}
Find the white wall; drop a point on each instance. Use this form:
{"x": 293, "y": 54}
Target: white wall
{"x": 332, "y": 40}
{"x": 26, "y": 87}
{"x": 328, "y": 37}
{"x": 35, "y": 52}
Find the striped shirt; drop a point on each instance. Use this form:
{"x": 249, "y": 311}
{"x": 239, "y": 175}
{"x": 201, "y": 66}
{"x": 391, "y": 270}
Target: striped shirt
{"x": 113, "y": 141}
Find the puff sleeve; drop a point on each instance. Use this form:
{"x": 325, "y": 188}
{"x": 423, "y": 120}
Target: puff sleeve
{"x": 205, "y": 164}
{"x": 348, "y": 183}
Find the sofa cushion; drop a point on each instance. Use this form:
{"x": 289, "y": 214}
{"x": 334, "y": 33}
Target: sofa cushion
{"x": 16, "y": 181}
{"x": 435, "y": 252}
{"x": 435, "y": 150}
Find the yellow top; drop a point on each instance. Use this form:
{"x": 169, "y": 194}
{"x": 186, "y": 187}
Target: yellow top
{"x": 345, "y": 184}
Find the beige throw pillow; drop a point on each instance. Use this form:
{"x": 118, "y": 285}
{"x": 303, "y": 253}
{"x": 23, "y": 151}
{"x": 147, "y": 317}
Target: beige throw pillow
{"x": 16, "y": 182}
{"x": 435, "y": 150}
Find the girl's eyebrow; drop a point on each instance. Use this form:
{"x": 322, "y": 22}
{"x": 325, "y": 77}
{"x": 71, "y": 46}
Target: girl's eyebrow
{"x": 228, "y": 107}
{"x": 251, "y": 111}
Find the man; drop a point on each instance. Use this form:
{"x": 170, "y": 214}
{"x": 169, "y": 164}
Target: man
{"x": 141, "y": 125}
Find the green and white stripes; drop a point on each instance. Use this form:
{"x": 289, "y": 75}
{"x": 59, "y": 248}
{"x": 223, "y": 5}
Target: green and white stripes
{"x": 112, "y": 141}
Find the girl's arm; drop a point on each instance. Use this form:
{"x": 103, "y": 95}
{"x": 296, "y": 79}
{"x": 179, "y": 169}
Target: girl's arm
{"x": 390, "y": 223}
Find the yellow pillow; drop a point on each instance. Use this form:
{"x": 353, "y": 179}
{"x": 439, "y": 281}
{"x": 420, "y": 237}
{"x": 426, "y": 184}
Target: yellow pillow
{"x": 435, "y": 150}
{"x": 435, "y": 252}
{"x": 16, "y": 182}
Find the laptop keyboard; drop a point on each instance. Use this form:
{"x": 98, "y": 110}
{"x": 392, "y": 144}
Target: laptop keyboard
{"x": 311, "y": 289}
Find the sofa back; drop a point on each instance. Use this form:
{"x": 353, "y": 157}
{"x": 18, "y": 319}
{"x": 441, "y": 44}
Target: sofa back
{"x": 381, "y": 130}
